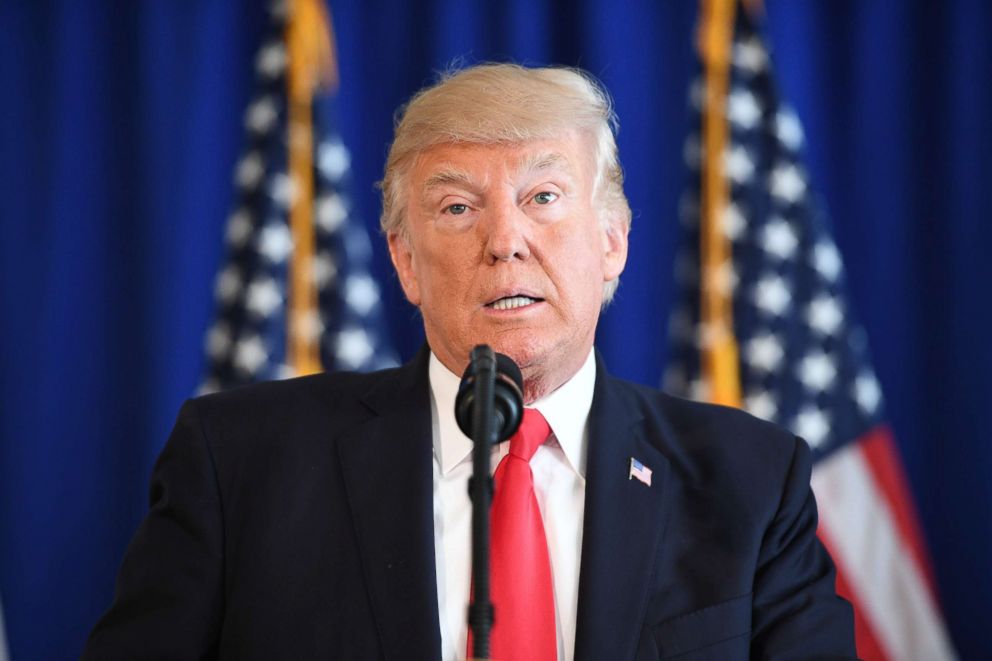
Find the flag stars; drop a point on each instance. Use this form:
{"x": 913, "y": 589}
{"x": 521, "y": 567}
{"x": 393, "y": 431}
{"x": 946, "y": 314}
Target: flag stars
{"x": 250, "y": 171}
{"x": 361, "y": 293}
{"x": 218, "y": 340}
{"x": 779, "y": 239}
{"x": 697, "y": 93}
{"x": 250, "y": 354}
{"x": 750, "y": 55}
{"x": 787, "y": 183}
{"x": 353, "y": 347}
{"x": 824, "y": 314}
{"x": 723, "y": 278}
{"x": 275, "y": 243}
{"x": 713, "y": 334}
{"x": 271, "y": 60}
{"x": 764, "y": 353}
{"x": 817, "y": 371}
{"x": 284, "y": 190}
{"x": 762, "y": 405}
{"x": 209, "y": 386}
{"x": 772, "y": 295}
{"x": 250, "y": 339}
{"x": 826, "y": 260}
{"x": 733, "y": 221}
{"x": 692, "y": 151}
{"x": 867, "y": 393}
{"x": 699, "y": 390}
{"x": 261, "y": 115}
{"x": 308, "y": 325}
{"x": 279, "y": 9}
{"x": 743, "y": 109}
{"x": 788, "y": 129}
{"x": 263, "y": 297}
{"x": 813, "y": 425}
{"x": 239, "y": 227}
{"x": 738, "y": 165}
{"x": 331, "y": 212}
{"x": 228, "y": 285}
{"x": 333, "y": 160}
{"x": 324, "y": 269}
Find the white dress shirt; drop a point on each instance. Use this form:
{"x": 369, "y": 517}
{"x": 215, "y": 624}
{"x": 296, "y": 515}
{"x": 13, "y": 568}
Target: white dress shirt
{"x": 559, "y": 481}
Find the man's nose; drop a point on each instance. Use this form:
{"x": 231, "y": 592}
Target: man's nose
{"x": 507, "y": 232}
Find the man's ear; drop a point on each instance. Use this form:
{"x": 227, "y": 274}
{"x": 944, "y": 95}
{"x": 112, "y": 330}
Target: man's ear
{"x": 614, "y": 249}
{"x": 402, "y": 256}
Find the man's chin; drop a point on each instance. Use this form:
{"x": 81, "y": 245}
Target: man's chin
{"x": 527, "y": 355}
{"x": 544, "y": 367}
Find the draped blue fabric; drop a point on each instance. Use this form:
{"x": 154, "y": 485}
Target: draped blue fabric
{"x": 120, "y": 124}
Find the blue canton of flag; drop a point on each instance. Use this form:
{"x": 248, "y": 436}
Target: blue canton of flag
{"x": 248, "y": 340}
{"x": 804, "y": 360}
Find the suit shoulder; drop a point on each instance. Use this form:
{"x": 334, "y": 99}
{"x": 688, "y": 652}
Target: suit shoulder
{"x": 694, "y": 433}
{"x": 685, "y": 414}
{"x": 288, "y": 389}
{"x": 333, "y": 397}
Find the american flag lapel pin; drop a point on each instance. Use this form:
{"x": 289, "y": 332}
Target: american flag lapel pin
{"x": 639, "y": 471}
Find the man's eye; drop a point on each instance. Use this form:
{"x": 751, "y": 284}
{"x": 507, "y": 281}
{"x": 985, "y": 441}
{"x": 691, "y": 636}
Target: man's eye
{"x": 457, "y": 209}
{"x": 545, "y": 197}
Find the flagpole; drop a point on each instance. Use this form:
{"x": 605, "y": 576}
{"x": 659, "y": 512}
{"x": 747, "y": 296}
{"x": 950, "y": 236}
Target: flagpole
{"x": 719, "y": 357}
{"x": 311, "y": 66}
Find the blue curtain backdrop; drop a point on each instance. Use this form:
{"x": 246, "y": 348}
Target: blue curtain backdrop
{"x": 120, "y": 123}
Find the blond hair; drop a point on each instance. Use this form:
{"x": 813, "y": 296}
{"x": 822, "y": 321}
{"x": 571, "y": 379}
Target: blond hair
{"x": 507, "y": 103}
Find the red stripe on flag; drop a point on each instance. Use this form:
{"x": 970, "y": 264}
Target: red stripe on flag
{"x": 867, "y": 643}
{"x": 878, "y": 571}
{"x": 878, "y": 449}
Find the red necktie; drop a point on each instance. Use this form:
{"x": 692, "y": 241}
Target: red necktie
{"x": 524, "y": 627}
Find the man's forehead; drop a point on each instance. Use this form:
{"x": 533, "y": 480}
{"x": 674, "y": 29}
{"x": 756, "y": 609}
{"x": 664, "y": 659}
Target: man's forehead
{"x": 466, "y": 163}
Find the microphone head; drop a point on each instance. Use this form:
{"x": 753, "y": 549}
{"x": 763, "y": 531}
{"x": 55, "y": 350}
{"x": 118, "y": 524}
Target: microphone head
{"x": 508, "y": 404}
{"x": 507, "y": 369}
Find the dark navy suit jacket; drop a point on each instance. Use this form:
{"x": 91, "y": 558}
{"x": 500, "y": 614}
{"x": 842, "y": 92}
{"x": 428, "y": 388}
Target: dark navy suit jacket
{"x": 293, "y": 520}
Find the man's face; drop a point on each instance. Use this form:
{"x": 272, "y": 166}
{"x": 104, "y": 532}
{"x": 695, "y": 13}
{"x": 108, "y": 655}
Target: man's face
{"x": 506, "y": 248}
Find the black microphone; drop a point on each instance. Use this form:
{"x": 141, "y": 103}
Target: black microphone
{"x": 508, "y": 402}
{"x": 488, "y": 408}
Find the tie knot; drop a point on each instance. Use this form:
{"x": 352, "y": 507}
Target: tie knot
{"x": 533, "y": 431}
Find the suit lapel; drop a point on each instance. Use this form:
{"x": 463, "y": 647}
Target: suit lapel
{"x": 387, "y": 466}
{"x": 624, "y": 521}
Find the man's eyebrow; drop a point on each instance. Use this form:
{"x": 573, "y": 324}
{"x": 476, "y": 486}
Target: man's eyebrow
{"x": 539, "y": 162}
{"x": 446, "y": 177}
{"x": 545, "y": 161}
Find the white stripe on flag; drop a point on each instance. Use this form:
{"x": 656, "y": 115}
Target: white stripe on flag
{"x": 887, "y": 583}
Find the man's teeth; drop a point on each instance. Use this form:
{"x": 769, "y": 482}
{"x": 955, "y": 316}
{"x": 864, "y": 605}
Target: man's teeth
{"x": 513, "y": 302}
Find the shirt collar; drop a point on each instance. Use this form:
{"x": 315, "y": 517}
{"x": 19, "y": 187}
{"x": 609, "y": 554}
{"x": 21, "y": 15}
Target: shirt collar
{"x": 566, "y": 410}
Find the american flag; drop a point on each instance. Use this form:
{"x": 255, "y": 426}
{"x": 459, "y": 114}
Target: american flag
{"x": 792, "y": 346}
{"x": 344, "y": 322}
{"x": 639, "y": 471}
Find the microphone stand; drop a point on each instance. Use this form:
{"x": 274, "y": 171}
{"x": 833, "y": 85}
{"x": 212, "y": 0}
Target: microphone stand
{"x": 480, "y": 611}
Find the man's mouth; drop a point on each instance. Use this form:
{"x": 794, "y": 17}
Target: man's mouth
{"x": 512, "y": 302}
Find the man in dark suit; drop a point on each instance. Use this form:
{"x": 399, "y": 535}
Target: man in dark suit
{"x": 324, "y": 517}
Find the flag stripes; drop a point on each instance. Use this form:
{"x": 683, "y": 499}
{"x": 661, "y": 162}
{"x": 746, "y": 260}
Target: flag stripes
{"x": 883, "y": 577}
